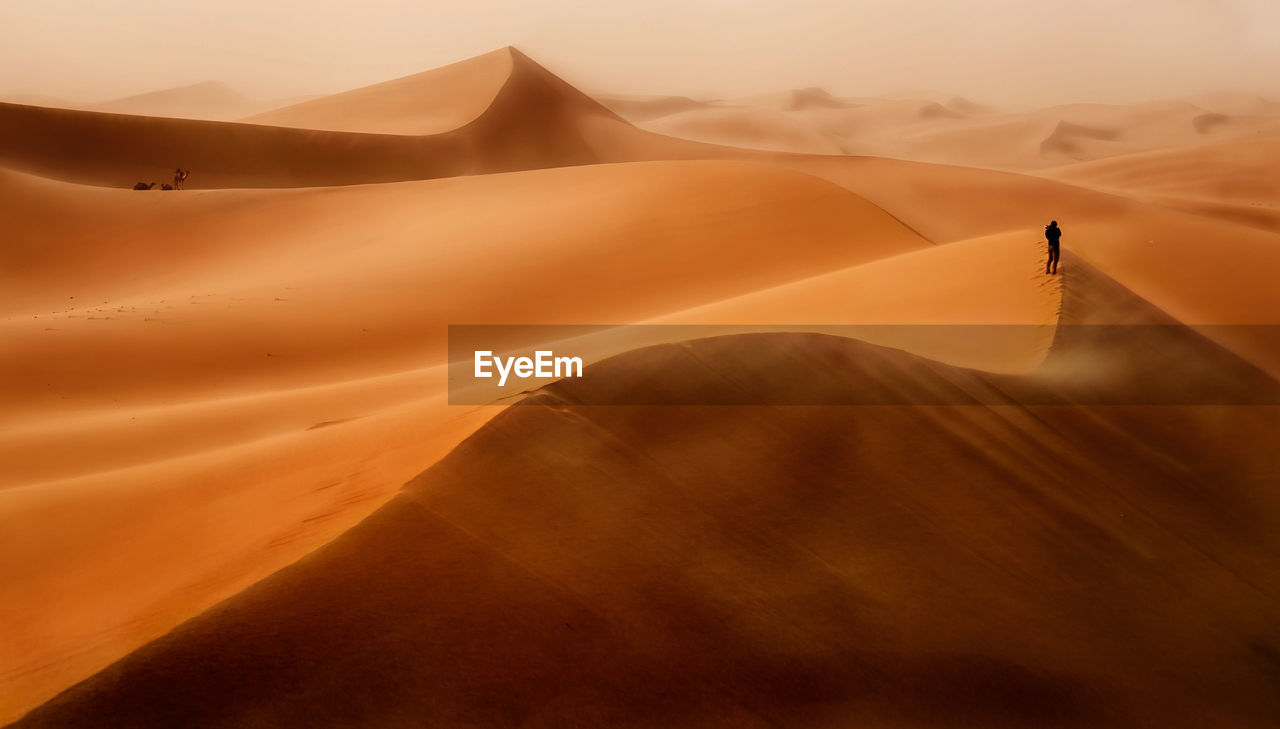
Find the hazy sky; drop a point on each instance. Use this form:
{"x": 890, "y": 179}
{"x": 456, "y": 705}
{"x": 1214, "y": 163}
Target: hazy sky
{"x": 1008, "y": 51}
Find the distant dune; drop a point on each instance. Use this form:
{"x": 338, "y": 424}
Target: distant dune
{"x": 1233, "y": 180}
{"x": 205, "y": 100}
{"x": 960, "y": 131}
{"x": 764, "y": 129}
{"x": 432, "y": 102}
{"x": 530, "y": 119}
{"x": 643, "y": 108}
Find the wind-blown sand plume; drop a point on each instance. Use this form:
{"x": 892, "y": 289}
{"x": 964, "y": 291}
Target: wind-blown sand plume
{"x": 141, "y": 383}
{"x": 608, "y": 565}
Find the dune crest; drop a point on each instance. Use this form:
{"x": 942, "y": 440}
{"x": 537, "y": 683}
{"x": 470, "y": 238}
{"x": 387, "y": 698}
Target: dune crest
{"x": 503, "y": 112}
{"x": 527, "y": 565}
{"x": 214, "y": 397}
{"x": 205, "y": 375}
{"x": 205, "y": 100}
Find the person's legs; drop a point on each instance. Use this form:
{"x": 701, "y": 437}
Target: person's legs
{"x": 1054, "y": 252}
{"x": 1049, "y": 261}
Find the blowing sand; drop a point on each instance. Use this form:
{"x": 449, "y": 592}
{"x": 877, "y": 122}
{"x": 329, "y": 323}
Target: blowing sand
{"x": 214, "y": 396}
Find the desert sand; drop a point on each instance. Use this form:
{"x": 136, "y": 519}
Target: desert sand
{"x": 233, "y": 492}
{"x": 956, "y": 130}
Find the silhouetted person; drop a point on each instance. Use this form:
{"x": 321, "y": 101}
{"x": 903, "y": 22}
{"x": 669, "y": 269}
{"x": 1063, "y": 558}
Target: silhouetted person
{"x": 179, "y": 177}
{"x": 1052, "y": 233}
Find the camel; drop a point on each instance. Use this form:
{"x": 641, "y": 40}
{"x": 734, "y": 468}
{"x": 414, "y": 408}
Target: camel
{"x": 179, "y": 177}
{"x": 145, "y": 186}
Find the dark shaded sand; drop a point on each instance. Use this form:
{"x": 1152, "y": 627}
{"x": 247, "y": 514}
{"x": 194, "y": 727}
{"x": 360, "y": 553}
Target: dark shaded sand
{"x": 776, "y": 565}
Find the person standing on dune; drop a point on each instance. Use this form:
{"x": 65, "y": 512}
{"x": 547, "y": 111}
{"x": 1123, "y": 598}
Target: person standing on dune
{"x": 1052, "y": 233}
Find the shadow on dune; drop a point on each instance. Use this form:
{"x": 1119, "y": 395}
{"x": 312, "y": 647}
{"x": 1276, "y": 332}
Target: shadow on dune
{"x": 769, "y": 565}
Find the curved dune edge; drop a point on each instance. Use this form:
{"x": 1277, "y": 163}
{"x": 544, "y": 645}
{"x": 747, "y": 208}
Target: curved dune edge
{"x": 983, "y": 304}
{"x": 532, "y": 120}
{"x": 1234, "y": 171}
{"x": 375, "y": 404}
{"x": 1158, "y": 253}
{"x": 240, "y": 504}
{"x": 1233, "y": 181}
{"x": 389, "y": 428}
{"x": 435, "y": 101}
{"x": 327, "y": 512}
{"x": 618, "y": 547}
{"x": 991, "y": 280}
{"x": 957, "y": 132}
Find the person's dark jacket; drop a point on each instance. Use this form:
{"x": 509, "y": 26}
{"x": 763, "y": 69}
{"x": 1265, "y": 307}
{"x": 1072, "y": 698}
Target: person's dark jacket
{"x": 1052, "y": 233}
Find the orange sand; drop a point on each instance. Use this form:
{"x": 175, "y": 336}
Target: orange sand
{"x": 204, "y": 387}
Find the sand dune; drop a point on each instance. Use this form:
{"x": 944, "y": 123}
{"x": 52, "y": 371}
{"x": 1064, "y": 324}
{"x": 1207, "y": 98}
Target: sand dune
{"x": 1228, "y": 102}
{"x": 961, "y": 131}
{"x": 204, "y": 387}
{"x": 205, "y": 100}
{"x": 765, "y": 129}
{"x": 608, "y": 565}
{"x": 1237, "y": 171}
{"x": 527, "y": 119}
{"x": 1157, "y": 252}
{"x": 994, "y": 280}
{"x": 641, "y": 108}
{"x": 436, "y": 101}
{"x": 144, "y": 383}
{"x": 1232, "y": 180}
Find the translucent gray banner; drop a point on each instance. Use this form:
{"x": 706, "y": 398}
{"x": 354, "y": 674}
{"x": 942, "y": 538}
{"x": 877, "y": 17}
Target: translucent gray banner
{"x": 863, "y": 364}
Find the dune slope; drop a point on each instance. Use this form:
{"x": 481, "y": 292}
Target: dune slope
{"x": 205, "y": 100}
{"x": 611, "y": 565}
{"x": 202, "y": 387}
{"x": 495, "y": 113}
{"x": 1236, "y": 181}
{"x": 248, "y": 387}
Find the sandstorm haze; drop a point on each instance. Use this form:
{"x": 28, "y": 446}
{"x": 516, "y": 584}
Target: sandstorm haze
{"x": 247, "y": 479}
{"x": 997, "y": 51}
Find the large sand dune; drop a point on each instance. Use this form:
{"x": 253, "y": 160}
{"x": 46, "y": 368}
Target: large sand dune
{"x": 957, "y": 131}
{"x": 494, "y": 113}
{"x": 204, "y": 386}
{"x": 1236, "y": 181}
{"x": 122, "y": 382}
{"x": 887, "y": 564}
{"x": 205, "y": 100}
